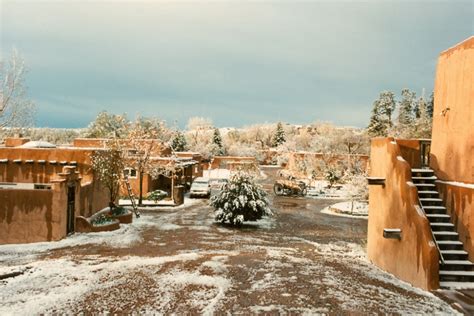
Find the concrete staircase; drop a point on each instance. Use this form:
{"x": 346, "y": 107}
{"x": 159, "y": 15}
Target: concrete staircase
{"x": 457, "y": 272}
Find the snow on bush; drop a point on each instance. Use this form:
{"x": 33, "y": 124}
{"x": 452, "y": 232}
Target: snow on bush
{"x": 241, "y": 200}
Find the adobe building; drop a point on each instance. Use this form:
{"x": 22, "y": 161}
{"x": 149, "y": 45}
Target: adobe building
{"x": 421, "y": 220}
{"x": 181, "y": 167}
{"x": 42, "y": 190}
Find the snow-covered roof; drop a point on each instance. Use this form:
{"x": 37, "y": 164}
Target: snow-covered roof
{"x": 38, "y": 144}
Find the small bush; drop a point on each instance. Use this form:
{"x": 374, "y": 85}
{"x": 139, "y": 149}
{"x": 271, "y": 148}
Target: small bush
{"x": 157, "y": 195}
{"x": 102, "y": 220}
{"x": 242, "y": 199}
{"x": 119, "y": 210}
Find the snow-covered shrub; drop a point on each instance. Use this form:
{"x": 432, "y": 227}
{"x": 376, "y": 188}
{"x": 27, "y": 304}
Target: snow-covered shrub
{"x": 157, "y": 195}
{"x": 332, "y": 175}
{"x": 242, "y": 199}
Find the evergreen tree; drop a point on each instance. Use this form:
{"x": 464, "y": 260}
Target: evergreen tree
{"x": 179, "y": 142}
{"x": 387, "y": 106}
{"x": 430, "y": 105}
{"x": 241, "y": 200}
{"x": 406, "y": 108}
{"x": 218, "y": 147}
{"x": 381, "y": 118}
{"x": 279, "y": 136}
{"x": 423, "y": 124}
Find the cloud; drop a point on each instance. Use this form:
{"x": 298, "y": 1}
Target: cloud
{"x": 237, "y": 62}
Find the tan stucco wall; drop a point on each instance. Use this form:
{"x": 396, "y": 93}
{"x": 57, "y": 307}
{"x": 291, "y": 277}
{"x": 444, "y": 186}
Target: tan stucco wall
{"x": 92, "y": 197}
{"x": 459, "y": 201}
{"x": 25, "y": 216}
{"x": 452, "y": 148}
{"x": 414, "y": 258}
{"x": 41, "y": 215}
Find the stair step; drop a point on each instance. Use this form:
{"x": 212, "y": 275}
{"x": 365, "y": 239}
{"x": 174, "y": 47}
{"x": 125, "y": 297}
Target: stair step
{"x": 431, "y": 200}
{"x": 438, "y": 216}
{"x": 424, "y": 178}
{"x": 434, "y": 209}
{"x": 466, "y": 263}
{"x": 456, "y": 276}
{"x": 442, "y": 227}
{"x": 444, "y": 235}
{"x": 428, "y": 192}
{"x": 450, "y": 245}
{"x": 431, "y": 185}
{"x": 449, "y": 242}
{"x": 454, "y": 252}
{"x": 442, "y": 224}
{"x": 459, "y": 273}
{"x": 457, "y": 285}
{"x": 427, "y": 170}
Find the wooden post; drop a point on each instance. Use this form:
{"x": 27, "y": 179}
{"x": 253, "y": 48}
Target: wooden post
{"x": 172, "y": 186}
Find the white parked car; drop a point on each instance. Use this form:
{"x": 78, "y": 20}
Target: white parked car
{"x": 200, "y": 187}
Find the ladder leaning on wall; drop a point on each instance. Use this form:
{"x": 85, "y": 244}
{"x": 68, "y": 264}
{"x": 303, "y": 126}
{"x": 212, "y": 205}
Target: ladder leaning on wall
{"x": 132, "y": 197}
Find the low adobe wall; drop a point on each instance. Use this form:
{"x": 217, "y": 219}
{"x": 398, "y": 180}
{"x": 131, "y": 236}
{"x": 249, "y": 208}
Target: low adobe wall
{"x": 92, "y": 197}
{"x": 220, "y": 162}
{"x": 459, "y": 201}
{"x": 410, "y": 151}
{"x": 33, "y": 215}
{"x": 41, "y": 215}
{"x": 413, "y": 258}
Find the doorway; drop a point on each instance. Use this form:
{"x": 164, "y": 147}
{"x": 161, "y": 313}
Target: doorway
{"x": 71, "y": 206}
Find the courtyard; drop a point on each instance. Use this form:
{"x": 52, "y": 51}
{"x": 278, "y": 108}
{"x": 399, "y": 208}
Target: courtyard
{"x": 178, "y": 260}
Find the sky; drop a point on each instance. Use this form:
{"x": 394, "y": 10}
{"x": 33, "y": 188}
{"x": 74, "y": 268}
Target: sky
{"x": 236, "y": 62}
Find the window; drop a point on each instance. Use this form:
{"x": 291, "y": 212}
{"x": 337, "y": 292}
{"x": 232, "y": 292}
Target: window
{"x": 130, "y": 172}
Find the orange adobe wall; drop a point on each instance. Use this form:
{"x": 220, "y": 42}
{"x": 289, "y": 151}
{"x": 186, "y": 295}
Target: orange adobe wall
{"x": 28, "y": 215}
{"x": 452, "y": 147}
{"x": 413, "y": 258}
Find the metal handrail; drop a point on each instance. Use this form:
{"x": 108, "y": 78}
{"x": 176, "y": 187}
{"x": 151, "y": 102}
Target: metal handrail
{"x": 432, "y": 234}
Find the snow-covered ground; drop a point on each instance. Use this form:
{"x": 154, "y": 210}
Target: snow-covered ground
{"x": 320, "y": 189}
{"x": 348, "y": 209}
{"x": 177, "y": 260}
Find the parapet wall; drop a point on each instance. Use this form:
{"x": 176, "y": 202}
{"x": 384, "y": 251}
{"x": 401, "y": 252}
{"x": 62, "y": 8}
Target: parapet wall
{"x": 40, "y": 165}
{"x": 413, "y": 258}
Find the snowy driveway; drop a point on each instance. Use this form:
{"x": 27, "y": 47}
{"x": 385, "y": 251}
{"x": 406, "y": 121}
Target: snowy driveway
{"x": 178, "y": 260}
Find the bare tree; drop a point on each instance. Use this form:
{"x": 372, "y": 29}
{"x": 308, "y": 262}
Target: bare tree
{"x": 197, "y": 126}
{"x": 16, "y": 110}
{"x": 142, "y": 142}
{"x": 108, "y": 165}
